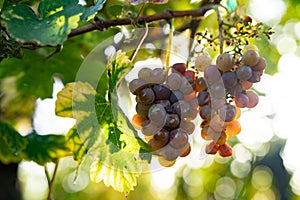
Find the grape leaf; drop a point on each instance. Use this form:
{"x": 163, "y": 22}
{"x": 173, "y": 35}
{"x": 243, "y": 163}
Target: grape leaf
{"x": 57, "y": 20}
{"x": 92, "y": 10}
{"x": 12, "y": 144}
{"x": 231, "y": 5}
{"x": 104, "y": 129}
{"x": 75, "y": 144}
{"x": 45, "y": 148}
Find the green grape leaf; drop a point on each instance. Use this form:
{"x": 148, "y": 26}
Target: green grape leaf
{"x": 91, "y": 11}
{"x": 103, "y": 127}
{"x": 46, "y": 148}
{"x": 12, "y": 144}
{"x": 75, "y": 144}
{"x": 52, "y": 28}
{"x": 115, "y": 10}
{"x": 231, "y": 5}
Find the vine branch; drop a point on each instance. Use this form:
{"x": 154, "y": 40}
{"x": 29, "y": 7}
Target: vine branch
{"x": 101, "y": 24}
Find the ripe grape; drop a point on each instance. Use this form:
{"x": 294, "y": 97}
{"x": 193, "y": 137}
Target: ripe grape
{"x": 244, "y": 73}
{"x": 165, "y": 103}
{"x": 250, "y": 58}
{"x": 261, "y": 65}
{"x": 182, "y": 108}
{"x": 162, "y": 92}
{"x": 224, "y": 62}
{"x": 225, "y": 150}
{"x": 174, "y": 81}
{"x": 185, "y": 151}
{"x": 187, "y": 125}
{"x": 202, "y": 62}
{"x": 208, "y": 133}
{"x": 233, "y": 128}
{"x": 157, "y": 114}
{"x": 217, "y": 103}
{"x": 229, "y": 79}
{"x": 137, "y": 121}
{"x": 189, "y": 73}
{"x": 200, "y": 84}
{"x": 246, "y": 85}
{"x": 236, "y": 90}
{"x": 149, "y": 128}
{"x": 203, "y": 98}
{"x": 187, "y": 86}
{"x": 166, "y": 163}
{"x": 142, "y": 109}
{"x": 146, "y": 96}
{"x": 241, "y": 100}
{"x": 206, "y": 112}
{"x": 144, "y": 74}
{"x": 253, "y": 99}
{"x": 211, "y": 74}
{"x": 255, "y": 76}
{"x": 169, "y": 153}
{"x": 217, "y": 123}
{"x": 220, "y": 138}
{"x": 175, "y": 96}
{"x": 217, "y": 90}
{"x": 178, "y": 138}
{"x": 227, "y": 113}
{"x": 179, "y": 68}
{"x": 136, "y": 85}
{"x": 157, "y": 76}
{"x": 212, "y": 148}
{"x": 172, "y": 121}
{"x": 161, "y": 137}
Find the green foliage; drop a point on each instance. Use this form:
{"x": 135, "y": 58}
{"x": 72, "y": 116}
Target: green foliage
{"x": 51, "y": 27}
{"x": 103, "y": 128}
{"x": 91, "y": 11}
{"x": 12, "y": 144}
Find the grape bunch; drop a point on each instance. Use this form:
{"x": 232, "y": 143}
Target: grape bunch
{"x": 166, "y": 106}
{"x": 221, "y": 92}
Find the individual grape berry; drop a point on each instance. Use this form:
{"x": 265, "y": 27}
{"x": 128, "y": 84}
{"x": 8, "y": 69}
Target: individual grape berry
{"x": 244, "y": 73}
{"x": 224, "y": 62}
{"x": 172, "y": 121}
{"x": 211, "y": 74}
{"x": 146, "y": 96}
{"x": 154, "y": 145}
{"x": 248, "y": 19}
{"x": 157, "y": 76}
{"x": 250, "y": 58}
{"x": 261, "y": 65}
{"x": 217, "y": 90}
{"x": 202, "y": 62}
{"x": 229, "y": 79}
{"x": 236, "y": 90}
{"x": 217, "y": 123}
{"x": 149, "y": 128}
{"x": 227, "y": 113}
{"x": 183, "y": 109}
{"x": 238, "y": 113}
{"x": 206, "y": 112}
{"x": 207, "y": 133}
{"x": 144, "y": 74}
{"x": 220, "y": 138}
{"x": 174, "y": 81}
{"x": 175, "y": 96}
{"x": 212, "y": 148}
{"x": 169, "y": 153}
{"x": 185, "y": 151}
{"x": 157, "y": 114}
{"x": 200, "y": 84}
{"x": 242, "y": 100}
{"x": 187, "y": 86}
{"x": 255, "y": 77}
{"x": 225, "y": 150}
{"x": 203, "y": 98}
{"x": 137, "y": 121}
{"x": 161, "y": 137}
{"x": 246, "y": 85}
{"x": 253, "y": 99}
{"x": 162, "y": 92}
{"x": 142, "y": 109}
{"x": 136, "y": 85}
{"x": 165, "y": 163}
{"x": 187, "y": 125}
{"x": 189, "y": 73}
{"x": 178, "y": 138}
{"x": 232, "y": 128}
{"x": 217, "y": 103}
{"x": 165, "y": 103}
{"x": 179, "y": 68}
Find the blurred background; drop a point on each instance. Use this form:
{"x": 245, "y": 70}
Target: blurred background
{"x": 265, "y": 163}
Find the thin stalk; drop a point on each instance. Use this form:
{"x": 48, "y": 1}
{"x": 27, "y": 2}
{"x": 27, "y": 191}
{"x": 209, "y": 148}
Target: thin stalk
{"x": 51, "y": 184}
{"x": 170, "y": 44}
{"x": 139, "y": 43}
{"x": 220, "y": 24}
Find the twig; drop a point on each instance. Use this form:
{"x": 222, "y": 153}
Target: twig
{"x": 51, "y": 184}
{"x": 139, "y": 43}
{"x": 101, "y": 24}
{"x": 170, "y": 44}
